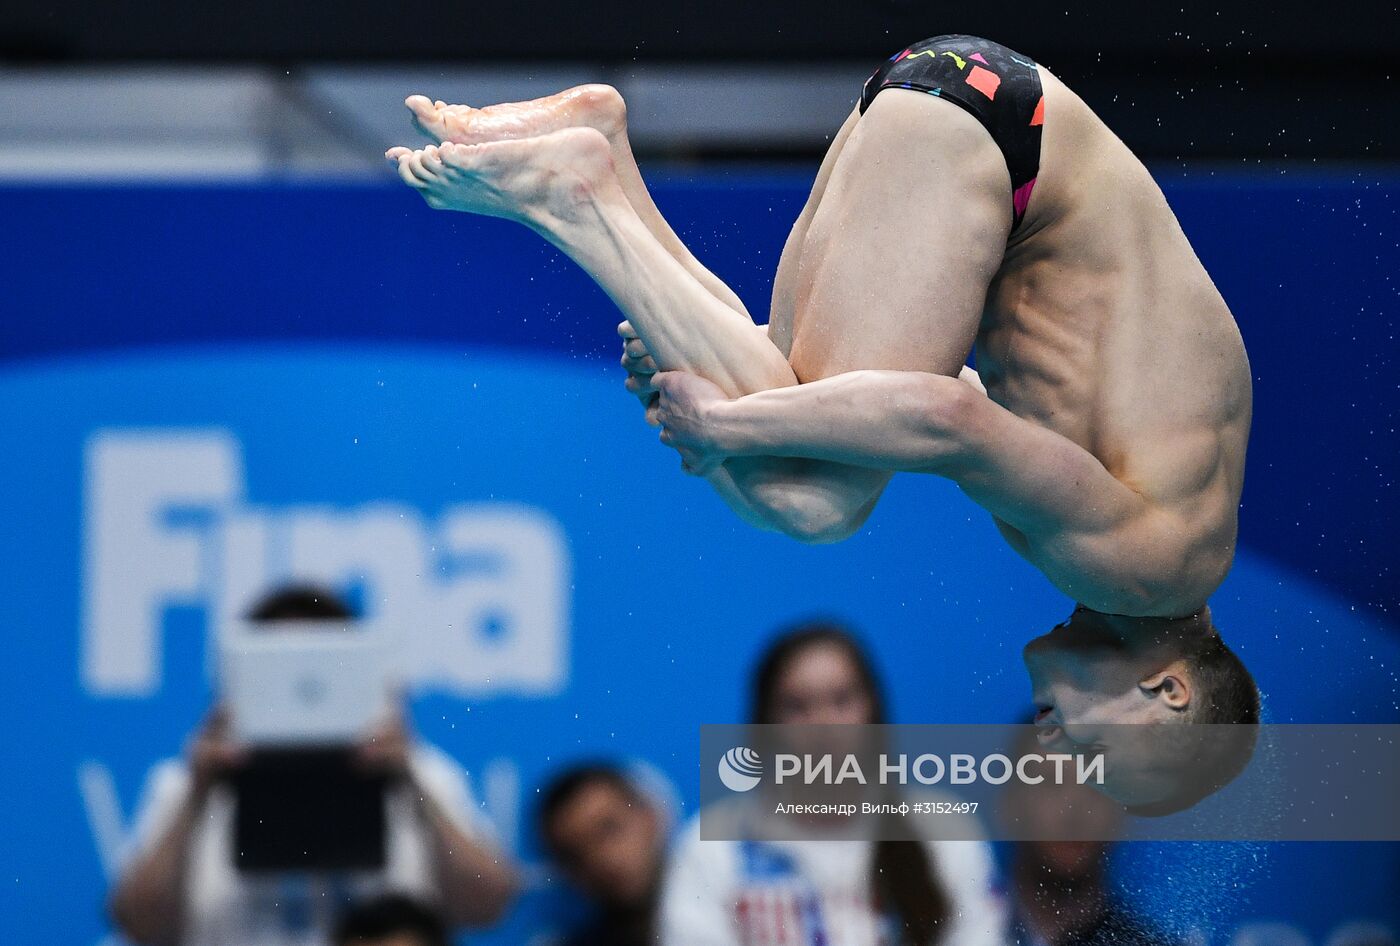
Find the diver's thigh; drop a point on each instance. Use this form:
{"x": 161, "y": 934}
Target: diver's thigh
{"x": 910, "y": 230}
{"x": 785, "y": 280}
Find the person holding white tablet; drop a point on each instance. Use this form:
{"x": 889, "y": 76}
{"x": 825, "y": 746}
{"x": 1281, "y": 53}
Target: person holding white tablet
{"x": 187, "y": 879}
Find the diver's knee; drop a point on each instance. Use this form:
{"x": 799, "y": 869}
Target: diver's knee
{"x": 809, "y": 518}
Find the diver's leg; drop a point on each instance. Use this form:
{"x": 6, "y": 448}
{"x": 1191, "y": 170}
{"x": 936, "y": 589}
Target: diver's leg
{"x": 564, "y": 186}
{"x": 595, "y": 106}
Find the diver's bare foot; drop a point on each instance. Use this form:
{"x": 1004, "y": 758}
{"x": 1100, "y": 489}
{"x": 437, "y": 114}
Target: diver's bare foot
{"x": 586, "y": 106}
{"x": 533, "y": 180}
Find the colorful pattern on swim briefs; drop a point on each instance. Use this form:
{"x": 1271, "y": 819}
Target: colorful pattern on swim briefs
{"x": 1000, "y": 88}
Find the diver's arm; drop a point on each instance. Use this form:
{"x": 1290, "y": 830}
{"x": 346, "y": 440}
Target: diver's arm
{"x": 908, "y": 421}
{"x": 1097, "y": 539}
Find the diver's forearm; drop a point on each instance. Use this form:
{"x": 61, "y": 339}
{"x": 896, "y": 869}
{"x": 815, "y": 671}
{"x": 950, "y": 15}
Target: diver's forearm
{"x": 887, "y": 420}
{"x": 1027, "y": 476}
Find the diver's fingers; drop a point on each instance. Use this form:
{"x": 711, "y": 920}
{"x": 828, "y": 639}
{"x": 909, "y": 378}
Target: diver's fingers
{"x": 643, "y": 365}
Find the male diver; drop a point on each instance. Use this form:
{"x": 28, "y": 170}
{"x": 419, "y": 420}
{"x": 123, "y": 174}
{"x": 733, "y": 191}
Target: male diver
{"x": 970, "y": 202}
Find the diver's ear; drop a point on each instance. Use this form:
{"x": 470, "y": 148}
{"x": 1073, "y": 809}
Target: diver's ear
{"x": 1171, "y": 684}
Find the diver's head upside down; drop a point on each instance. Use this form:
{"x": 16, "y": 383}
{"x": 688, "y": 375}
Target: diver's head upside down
{"x": 1170, "y": 706}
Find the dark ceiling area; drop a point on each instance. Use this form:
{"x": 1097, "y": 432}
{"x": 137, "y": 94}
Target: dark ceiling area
{"x": 1244, "y": 82}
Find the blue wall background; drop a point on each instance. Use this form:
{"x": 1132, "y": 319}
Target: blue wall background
{"x": 360, "y": 349}
{"x": 1306, "y": 261}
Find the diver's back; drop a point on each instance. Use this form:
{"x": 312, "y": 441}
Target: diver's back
{"x": 1103, "y": 324}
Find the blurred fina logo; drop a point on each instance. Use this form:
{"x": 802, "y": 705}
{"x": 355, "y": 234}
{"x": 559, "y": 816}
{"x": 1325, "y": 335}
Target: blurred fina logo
{"x": 476, "y": 595}
{"x": 740, "y": 769}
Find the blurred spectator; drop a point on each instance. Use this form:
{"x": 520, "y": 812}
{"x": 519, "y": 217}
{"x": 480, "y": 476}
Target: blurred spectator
{"x": 842, "y": 890}
{"x": 610, "y": 839}
{"x": 1060, "y": 889}
{"x": 180, "y": 885}
{"x": 389, "y": 920}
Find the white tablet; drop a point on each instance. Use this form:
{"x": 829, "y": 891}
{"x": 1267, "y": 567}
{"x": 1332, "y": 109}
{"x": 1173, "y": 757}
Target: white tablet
{"x": 304, "y": 682}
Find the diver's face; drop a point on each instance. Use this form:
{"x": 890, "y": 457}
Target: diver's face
{"x": 1094, "y": 695}
{"x": 1084, "y": 674}
{"x": 1142, "y": 761}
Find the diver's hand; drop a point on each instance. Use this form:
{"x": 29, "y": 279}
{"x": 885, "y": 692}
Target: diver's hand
{"x": 686, "y": 409}
{"x": 640, "y": 366}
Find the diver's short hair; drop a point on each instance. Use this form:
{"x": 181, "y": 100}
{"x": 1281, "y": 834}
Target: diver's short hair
{"x": 1227, "y": 699}
{"x": 1225, "y": 689}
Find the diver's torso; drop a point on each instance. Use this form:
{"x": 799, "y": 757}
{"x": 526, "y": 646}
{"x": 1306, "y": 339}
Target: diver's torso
{"x": 1103, "y": 326}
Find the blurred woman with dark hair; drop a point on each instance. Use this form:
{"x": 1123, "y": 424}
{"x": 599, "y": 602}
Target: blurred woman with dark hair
{"x": 838, "y": 890}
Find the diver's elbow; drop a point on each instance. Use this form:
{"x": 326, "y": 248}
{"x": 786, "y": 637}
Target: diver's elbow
{"x": 941, "y": 416}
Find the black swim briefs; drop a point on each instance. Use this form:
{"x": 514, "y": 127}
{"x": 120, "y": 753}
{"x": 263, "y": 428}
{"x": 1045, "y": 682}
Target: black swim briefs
{"x": 999, "y": 87}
